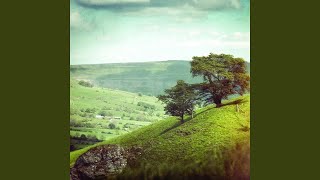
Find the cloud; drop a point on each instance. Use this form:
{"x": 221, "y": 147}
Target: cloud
{"x": 77, "y": 22}
{"x": 184, "y": 14}
{"x": 113, "y": 4}
{"x": 217, "y": 4}
{"x": 140, "y": 4}
{"x": 235, "y": 40}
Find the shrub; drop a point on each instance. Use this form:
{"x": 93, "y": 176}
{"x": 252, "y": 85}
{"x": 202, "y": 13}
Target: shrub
{"x": 83, "y": 136}
{"x": 112, "y": 126}
{"x": 146, "y": 105}
{"x": 90, "y": 110}
{"x": 103, "y": 113}
{"x": 85, "y": 83}
{"x": 126, "y": 125}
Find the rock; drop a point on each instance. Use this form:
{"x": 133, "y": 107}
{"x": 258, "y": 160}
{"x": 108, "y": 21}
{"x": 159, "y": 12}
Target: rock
{"x": 104, "y": 162}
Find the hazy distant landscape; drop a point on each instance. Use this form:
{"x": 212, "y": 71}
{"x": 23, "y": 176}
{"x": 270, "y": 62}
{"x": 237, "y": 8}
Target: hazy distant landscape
{"x": 148, "y": 78}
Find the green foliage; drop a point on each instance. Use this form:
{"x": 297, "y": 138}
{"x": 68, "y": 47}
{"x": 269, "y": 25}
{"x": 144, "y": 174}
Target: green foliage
{"x": 223, "y": 75}
{"x": 103, "y": 113}
{"x": 85, "y": 83}
{"x": 90, "y": 110}
{"x": 146, "y": 105}
{"x": 112, "y": 126}
{"x": 179, "y": 100}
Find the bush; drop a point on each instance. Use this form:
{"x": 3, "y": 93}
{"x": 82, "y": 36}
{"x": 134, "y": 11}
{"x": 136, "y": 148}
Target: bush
{"x": 112, "y": 126}
{"x": 103, "y": 113}
{"x": 85, "y": 83}
{"x": 90, "y": 110}
{"x": 74, "y": 123}
{"x": 83, "y": 136}
{"x": 126, "y": 125}
{"x": 146, "y": 105}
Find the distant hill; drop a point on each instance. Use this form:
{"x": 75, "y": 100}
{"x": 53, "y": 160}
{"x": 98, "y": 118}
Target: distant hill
{"x": 215, "y": 141}
{"x": 149, "y": 78}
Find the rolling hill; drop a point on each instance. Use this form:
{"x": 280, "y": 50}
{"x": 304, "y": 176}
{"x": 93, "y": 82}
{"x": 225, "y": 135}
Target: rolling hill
{"x": 89, "y": 104}
{"x": 214, "y": 143}
{"x": 148, "y": 78}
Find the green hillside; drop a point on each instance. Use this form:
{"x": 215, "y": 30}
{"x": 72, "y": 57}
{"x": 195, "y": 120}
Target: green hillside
{"x": 149, "y": 78}
{"x": 86, "y": 103}
{"x": 201, "y": 145}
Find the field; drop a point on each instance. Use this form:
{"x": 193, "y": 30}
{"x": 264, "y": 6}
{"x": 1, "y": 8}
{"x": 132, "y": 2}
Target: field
{"x": 215, "y": 141}
{"x": 93, "y": 109}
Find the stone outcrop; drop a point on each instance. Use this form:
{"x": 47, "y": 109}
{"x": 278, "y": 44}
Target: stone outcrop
{"x": 104, "y": 162}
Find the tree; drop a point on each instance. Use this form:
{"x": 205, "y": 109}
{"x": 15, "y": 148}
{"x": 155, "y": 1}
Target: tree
{"x": 223, "y": 75}
{"x": 179, "y": 100}
{"x": 112, "y": 126}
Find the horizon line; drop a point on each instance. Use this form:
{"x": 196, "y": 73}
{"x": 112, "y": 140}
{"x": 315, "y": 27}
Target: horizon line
{"x": 133, "y": 62}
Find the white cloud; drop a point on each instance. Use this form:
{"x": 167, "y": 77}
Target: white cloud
{"x": 199, "y": 4}
{"x": 217, "y": 4}
{"x": 112, "y": 2}
{"x": 235, "y": 40}
{"x": 184, "y": 14}
{"x": 77, "y": 22}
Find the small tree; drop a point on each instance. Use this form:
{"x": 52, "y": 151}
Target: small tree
{"x": 223, "y": 75}
{"x": 179, "y": 100}
{"x": 112, "y": 126}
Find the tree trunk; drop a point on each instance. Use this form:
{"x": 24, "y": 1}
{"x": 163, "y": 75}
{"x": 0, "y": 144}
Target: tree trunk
{"x": 217, "y": 101}
{"x": 181, "y": 120}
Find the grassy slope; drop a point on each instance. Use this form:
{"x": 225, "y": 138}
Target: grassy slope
{"x": 168, "y": 142}
{"x": 113, "y": 101}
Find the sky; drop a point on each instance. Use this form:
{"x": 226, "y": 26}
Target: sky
{"x": 113, "y": 31}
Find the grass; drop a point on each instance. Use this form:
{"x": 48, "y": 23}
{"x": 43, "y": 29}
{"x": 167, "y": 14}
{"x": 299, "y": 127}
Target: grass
{"x": 87, "y": 102}
{"x": 189, "y": 146}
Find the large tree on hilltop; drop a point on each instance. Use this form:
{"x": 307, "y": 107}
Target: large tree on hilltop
{"x": 223, "y": 75}
{"x": 179, "y": 100}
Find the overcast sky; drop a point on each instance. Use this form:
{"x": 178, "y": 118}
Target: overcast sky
{"x": 108, "y": 31}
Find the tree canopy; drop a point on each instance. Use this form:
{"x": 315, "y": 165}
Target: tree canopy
{"x": 223, "y": 75}
{"x": 179, "y": 100}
